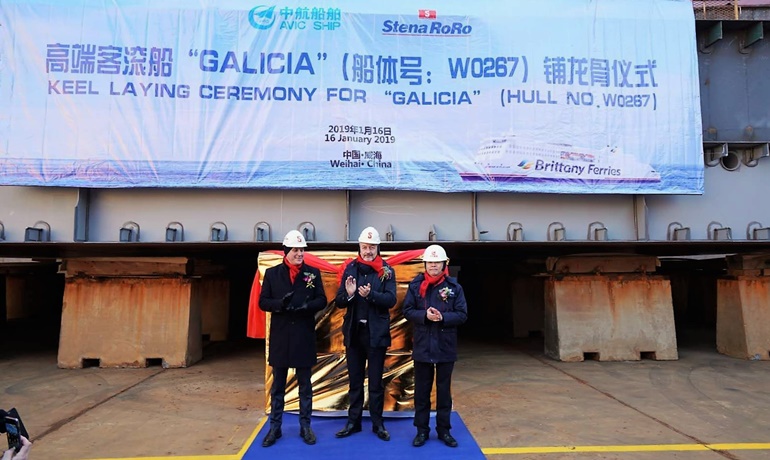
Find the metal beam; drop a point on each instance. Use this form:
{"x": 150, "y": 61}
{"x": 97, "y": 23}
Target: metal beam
{"x": 640, "y": 218}
{"x": 714, "y": 34}
{"x": 754, "y": 33}
{"x": 82, "y": 209}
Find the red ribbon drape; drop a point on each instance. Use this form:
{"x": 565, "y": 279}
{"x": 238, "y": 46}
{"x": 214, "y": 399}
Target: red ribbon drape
{"x": 256, "y": 325}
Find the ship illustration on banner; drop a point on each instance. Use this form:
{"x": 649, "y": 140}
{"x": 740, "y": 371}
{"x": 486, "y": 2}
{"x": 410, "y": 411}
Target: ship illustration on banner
{"x": 510, "y": 158}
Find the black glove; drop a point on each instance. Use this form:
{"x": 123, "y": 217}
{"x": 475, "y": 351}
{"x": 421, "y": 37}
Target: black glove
{"x": 295, "y": 305}
{"x": 284, "y": 306}
{"x": 286, "y": 299}
{"x": 301, "y": 307}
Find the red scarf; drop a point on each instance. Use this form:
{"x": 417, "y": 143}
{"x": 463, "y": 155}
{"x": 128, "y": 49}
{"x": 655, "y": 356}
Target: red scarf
{"x": 376, "y": 264}
{"x": 293, "y": 270}
{"x": 432, "y": 281}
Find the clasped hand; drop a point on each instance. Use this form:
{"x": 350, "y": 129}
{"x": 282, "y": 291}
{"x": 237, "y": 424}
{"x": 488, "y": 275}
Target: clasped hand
{"x": 287, "y": 305}
{"x": 286, "y": 299}
{"x": 434, "y": 314}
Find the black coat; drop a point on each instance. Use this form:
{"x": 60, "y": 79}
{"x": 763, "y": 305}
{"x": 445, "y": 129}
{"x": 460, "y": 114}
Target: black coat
{"x": 435, "y": 341}
{"x": 381, "y": 299}
{"x": 292, "y": 332}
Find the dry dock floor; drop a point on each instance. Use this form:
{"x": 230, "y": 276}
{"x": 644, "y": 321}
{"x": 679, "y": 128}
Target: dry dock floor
{"x": 517, "y": 403}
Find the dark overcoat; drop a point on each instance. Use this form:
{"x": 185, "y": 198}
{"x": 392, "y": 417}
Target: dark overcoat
{"x": 382, "y": 298}
{"x": 292, "y": 330}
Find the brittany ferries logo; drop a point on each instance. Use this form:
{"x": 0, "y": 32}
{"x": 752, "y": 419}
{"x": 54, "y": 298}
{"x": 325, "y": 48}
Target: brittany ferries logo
{"x": 525, "y": 164}
{"x": 421, "y": 27}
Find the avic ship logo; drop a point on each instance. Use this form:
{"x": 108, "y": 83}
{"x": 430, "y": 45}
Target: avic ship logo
{"x": 525, "y": 164}
{"x": 262, "y": 17}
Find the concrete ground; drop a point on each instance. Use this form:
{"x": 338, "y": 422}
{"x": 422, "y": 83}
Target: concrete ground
{"x": 514, "y": 400}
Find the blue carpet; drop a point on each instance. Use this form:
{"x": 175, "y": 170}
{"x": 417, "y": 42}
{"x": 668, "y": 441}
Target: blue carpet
{"x": 364, "y": 444}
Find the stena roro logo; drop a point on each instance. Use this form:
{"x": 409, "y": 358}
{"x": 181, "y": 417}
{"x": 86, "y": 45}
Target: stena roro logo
{"x": 421, "y": 27}
{"x": 262, "y": 17}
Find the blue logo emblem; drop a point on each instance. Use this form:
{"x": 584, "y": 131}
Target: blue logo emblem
{"x": 262, "y": 17}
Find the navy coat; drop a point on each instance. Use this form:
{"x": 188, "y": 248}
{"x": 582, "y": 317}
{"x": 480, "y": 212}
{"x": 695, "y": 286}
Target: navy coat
{"x": 292, "y": 333}
{"x": 381, "y": 299}
{"x": 435, "y": 341}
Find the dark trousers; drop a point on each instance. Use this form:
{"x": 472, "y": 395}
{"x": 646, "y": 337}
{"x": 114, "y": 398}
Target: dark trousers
{"x": 358, "y": 353}
{"x": 423, "y": 384}
{"x": 278, "y": 392}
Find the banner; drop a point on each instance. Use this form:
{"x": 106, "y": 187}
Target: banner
{"x": 556, "y": 96}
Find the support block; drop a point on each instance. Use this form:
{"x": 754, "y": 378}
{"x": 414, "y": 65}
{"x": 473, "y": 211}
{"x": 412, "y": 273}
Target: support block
{"x": 215, "y": 307}
{"x": 743, "y": 313}
{"x": 609, "y": 318}
{"x": 128, "y": 321}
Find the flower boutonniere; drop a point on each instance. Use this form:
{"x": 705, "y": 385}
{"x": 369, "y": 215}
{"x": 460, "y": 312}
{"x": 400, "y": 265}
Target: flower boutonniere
{"x": 308, "y": 279}
{"x": 387, "y": 273}
{"x": 445, "y": 293}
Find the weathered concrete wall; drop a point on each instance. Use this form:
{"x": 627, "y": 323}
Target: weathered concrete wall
{"x": 14, "y": 297}
{"x": 32, "y": 294}
{"x": 215, "y": 307}
{"x": 123, "y": 322}
{"x": 527, "y": 308}
{"x": 614, "y": 317}
{"x": 743, "y": 315}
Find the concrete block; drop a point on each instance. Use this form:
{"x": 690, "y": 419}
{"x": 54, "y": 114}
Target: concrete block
{"x": 127, "y": 266}
{"x": 30, "y": 295}
{"x": 609, "y": 318}
{"x": 124, "y": 322}
{"x": 215, "y": 307}
{"x": 527, "y": 306}
{"x": 15, "y": 287}
{"x": 743, "y": 313}
{"x": 602, "y": 263}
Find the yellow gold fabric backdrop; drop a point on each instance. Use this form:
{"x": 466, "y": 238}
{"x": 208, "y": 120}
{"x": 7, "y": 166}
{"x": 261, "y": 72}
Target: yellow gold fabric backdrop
{"x": 330, "y": 375}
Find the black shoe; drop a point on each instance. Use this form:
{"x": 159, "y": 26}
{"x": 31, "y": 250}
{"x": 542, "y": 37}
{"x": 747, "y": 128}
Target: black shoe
{"x": 273, "y": 435}
{"x": 448, "y": 439}
{"x": 420, "y": 439}
{"x": 307, "y": 435}
{"x": 349, "y": 429}
{"x": 381, "y": 432}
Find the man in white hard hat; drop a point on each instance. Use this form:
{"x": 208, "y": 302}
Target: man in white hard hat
{"x": 367, "y": 292}
{"x": 292, "y": 292}
{"x": 435, "y": 305}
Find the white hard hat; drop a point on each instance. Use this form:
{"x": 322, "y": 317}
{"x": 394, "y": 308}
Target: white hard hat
{"x": 434, "y": 253}
{"x": 369, "y": 235}
{"x": 294, "y": 239}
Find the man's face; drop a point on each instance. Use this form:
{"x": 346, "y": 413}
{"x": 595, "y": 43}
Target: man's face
{"x": 368, "y": 251}
{"x": 434, "y": 268}
{"x": 296, "y": 256}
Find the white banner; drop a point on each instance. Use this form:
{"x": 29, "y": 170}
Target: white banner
{"x": 556, "y": 96}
